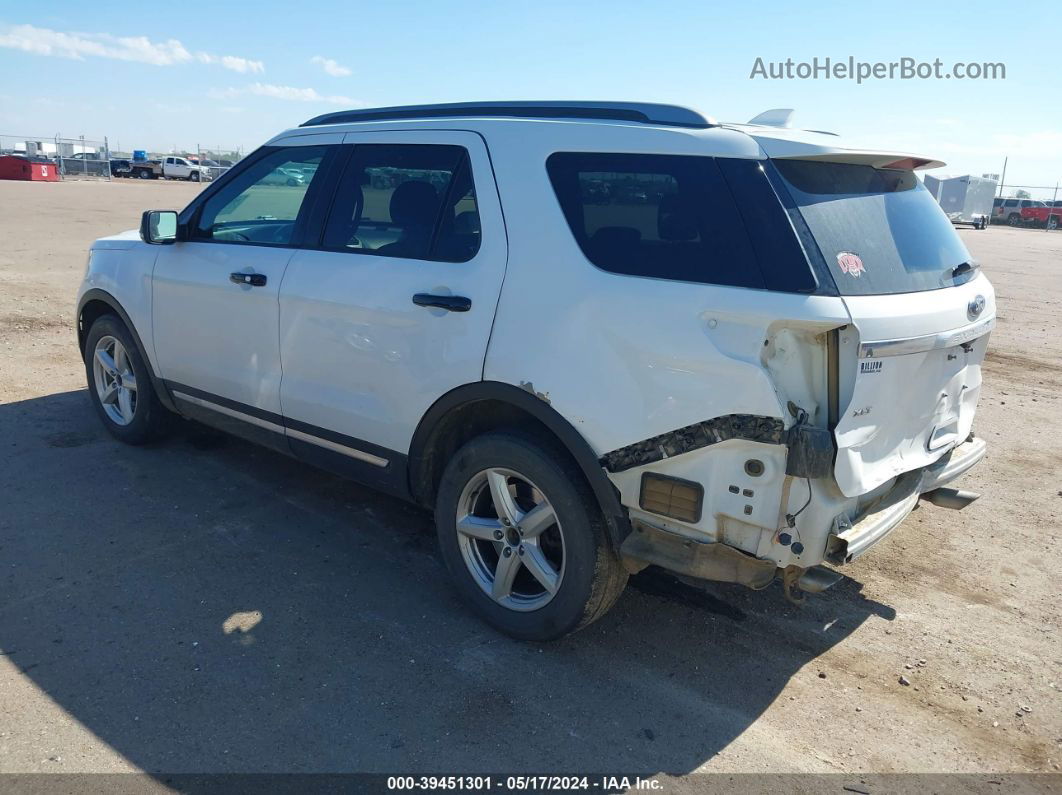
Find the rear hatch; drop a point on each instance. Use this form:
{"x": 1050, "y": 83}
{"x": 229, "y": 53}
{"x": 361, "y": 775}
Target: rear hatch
{"x": 907, "y": 372}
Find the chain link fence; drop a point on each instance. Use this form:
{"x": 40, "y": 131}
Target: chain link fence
{"x": 87, "y": 158}
{"x": 218, "y": 159}
{"x": 74, "y": 158}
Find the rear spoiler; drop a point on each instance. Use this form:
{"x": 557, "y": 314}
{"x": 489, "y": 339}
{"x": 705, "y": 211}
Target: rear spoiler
{"x": 868, "y": 158}
{"x": 804, "y": 145}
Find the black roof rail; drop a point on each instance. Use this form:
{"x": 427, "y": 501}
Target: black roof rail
{"x": 642, "y": 112}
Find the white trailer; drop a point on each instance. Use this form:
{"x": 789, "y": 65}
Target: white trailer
{"x": 966, "y": 199}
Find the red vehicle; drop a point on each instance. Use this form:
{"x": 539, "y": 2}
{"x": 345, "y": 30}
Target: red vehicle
{"x": 1049, "y": 214}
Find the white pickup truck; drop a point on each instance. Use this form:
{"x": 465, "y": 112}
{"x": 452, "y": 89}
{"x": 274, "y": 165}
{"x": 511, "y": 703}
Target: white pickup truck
{"x": 182, "y": 168}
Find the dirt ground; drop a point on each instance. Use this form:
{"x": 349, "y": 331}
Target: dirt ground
{"x": 207, "y": 606}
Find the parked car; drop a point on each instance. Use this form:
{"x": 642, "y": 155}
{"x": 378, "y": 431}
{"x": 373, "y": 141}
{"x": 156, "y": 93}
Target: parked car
{"x": 578, "y": 388}
{"x": 183, "y": 168}
{"x": 214, "y": 168}
{"x": 1043, "y": 214}
{"x": 284, "y": 176}
{"x": 84, "y": 164}
{"x": 1009, "y": 210}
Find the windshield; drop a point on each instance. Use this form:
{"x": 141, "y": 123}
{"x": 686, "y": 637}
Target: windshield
{"x": 879, "y": 230}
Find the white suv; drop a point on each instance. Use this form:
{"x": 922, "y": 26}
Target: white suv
{"x": 592, "y": 337}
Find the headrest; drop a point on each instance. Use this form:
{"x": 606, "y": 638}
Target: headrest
{"x": 467, "y": 223}
{"x": 414, "y": 203}
{"x": 675, "y": 219}
{"x": 618, "y": 236}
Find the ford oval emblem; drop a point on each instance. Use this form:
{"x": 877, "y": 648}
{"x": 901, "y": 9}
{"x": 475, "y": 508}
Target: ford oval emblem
{"x": 976, "y": 307}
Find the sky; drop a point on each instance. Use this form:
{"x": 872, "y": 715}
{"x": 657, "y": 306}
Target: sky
{"x": 233, "y": 74}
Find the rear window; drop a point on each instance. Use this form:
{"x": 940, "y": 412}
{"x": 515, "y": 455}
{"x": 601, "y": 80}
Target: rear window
{"x": 879, "y": 230}
{"x": 415, "y": 201}
{"x": 676, "y": 217}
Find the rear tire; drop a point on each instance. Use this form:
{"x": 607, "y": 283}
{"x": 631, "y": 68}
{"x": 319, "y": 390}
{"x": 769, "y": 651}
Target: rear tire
{"x": 548, "y": 571}
{"x": 1052, "y": 222}
{"x": 119, "y": 384}
{"x": 1014, "y": 219}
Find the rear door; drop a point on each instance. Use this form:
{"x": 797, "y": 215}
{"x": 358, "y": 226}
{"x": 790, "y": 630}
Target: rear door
{"x": 910, "y": 367}
{"x": 393, "y": 306}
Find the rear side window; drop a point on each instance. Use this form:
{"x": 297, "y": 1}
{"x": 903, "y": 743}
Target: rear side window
{"x": 406, "y": 200}
{"x": 663, "y": 216}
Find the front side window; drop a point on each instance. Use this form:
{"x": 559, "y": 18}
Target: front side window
{"x": 661, "y": 216}
{"x": 262, "y": 204}
{"x": 415, "y": 201}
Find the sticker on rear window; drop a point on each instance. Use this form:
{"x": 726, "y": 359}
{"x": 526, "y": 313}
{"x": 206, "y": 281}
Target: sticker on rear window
{"x": 850, "y": 263}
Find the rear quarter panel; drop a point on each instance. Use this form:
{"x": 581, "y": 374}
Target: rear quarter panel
{"x": 626, "y": 358}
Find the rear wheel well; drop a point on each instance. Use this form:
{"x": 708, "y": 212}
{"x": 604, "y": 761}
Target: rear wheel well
{"x": 462, "y": 424}
{"x": 486, "y": 406}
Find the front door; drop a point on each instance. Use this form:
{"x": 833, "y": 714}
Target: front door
{"x": 215, "y": 295}
{"x": 394, "y": 307}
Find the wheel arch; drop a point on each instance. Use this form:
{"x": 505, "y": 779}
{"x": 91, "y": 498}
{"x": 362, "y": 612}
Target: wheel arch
{"x": 96, "y": 303}
{"x": 473, "y": 409}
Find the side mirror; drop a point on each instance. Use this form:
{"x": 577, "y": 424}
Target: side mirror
{"x": 158, "y": 227}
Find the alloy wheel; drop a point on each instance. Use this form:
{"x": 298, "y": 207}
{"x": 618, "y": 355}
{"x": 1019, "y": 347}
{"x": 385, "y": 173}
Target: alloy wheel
{"x": 112, "y": 370}
{"x": 510, "y": 539}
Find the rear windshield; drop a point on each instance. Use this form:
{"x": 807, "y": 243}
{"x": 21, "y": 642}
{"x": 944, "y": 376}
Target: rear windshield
{"x": 879, "y": 230}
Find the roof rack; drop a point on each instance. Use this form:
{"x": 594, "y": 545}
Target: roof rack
{"x": 642, "y": 112}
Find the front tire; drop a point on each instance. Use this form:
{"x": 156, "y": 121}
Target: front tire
{"x": 119, "y": 384}
{"x": 194, "y": 176}
{"x": 523, "y": 538}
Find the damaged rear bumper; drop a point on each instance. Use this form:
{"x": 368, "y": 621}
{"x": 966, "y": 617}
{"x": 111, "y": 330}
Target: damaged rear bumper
{"x": 850, "y": 539}
{"x": 704, "y": 560}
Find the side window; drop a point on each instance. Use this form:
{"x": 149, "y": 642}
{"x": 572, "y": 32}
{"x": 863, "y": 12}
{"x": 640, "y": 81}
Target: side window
{"x": 262, "y": 204}
{"x": 663, "y": 216}
{"x": 406, "y": 200}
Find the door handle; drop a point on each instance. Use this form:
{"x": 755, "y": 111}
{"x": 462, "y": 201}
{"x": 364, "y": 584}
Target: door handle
{"x": 253, "y": 279}
{"x": 451, "y": 303}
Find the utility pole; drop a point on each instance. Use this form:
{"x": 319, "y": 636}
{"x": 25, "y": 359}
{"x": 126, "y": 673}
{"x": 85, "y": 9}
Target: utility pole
{"x": 1003, "y": 178}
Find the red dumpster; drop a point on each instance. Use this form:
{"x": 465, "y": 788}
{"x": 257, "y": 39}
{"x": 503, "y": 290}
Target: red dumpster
{"x": 20, "y": 167}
